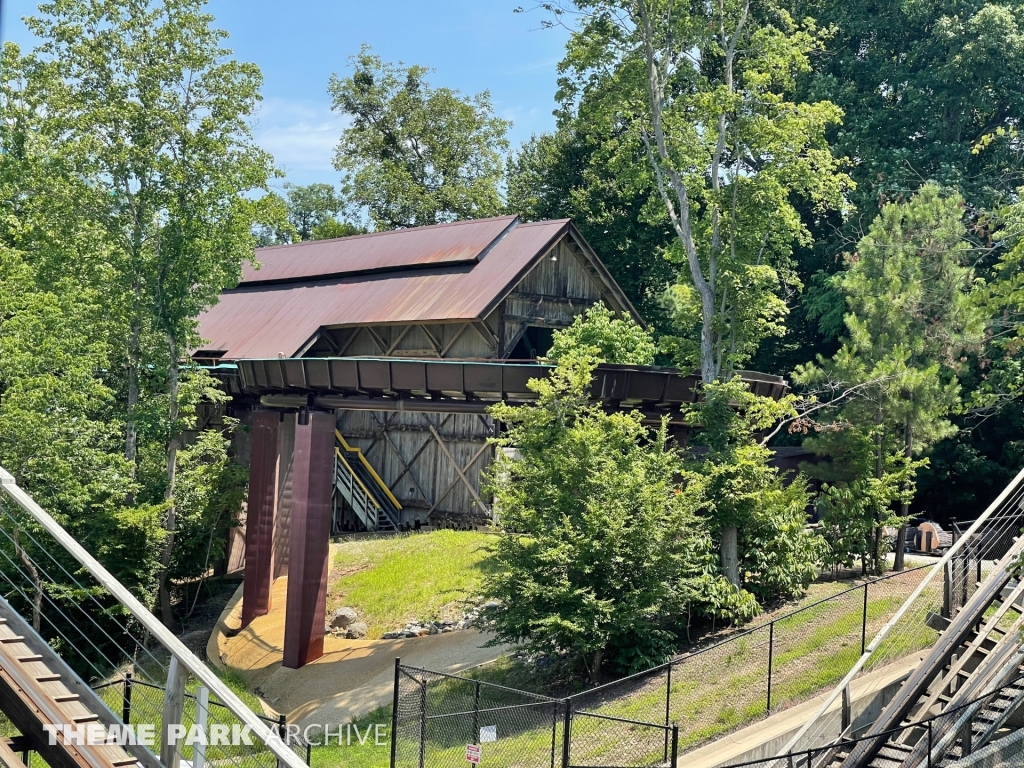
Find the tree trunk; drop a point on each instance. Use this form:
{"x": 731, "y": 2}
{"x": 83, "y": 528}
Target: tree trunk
{"x": 595, "y": 672}
{"x": 730, "y": 555}
{"x": 134, "y": 356}
{"x": 170, "y": 520}
{"x": 908, "y": 451}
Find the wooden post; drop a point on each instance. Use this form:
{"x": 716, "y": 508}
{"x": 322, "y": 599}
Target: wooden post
{"x": 312, "y": 476}
{"x": 259, "y": 519}
{"x": 173, "y": 712}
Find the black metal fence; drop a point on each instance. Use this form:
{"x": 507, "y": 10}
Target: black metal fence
{"x": 649, "y": 718}
{"x": 439, "y": 719}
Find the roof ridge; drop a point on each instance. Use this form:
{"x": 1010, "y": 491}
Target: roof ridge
{"x": 365, "y": 235}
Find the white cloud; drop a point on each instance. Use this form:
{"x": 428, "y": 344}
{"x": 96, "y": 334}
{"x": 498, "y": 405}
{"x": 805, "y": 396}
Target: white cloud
{"x": 301, "y": 135}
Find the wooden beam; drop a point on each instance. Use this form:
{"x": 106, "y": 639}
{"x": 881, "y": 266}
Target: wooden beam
{"x": 397, "y": 341}
{"x": 352, "y": 338}
{"x": 487, "y": 335}
{"x": 435, "y": 343}
{"x": 451, "y": 342}
{"x": 461, "y": 476}
{"x": 458, "y": 469}
{"x": 377, "y": 339}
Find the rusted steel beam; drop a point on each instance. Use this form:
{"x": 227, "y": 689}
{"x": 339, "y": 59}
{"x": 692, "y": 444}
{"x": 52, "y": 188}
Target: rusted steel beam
{"x": 259, "y": 519}
{"x": 310, "y": 540}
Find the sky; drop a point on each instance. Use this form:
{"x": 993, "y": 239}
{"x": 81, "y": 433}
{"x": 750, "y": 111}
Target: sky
{"x": 473, "y": 45}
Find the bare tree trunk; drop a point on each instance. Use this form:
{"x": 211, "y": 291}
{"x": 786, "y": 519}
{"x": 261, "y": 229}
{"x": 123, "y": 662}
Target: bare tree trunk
{"x": 134, "y": 358}
{"x": 37, "y": 583}
{"x": 170, "y": 522}
{"x": 908, "y": 451}
{"x": 730, "y": 555}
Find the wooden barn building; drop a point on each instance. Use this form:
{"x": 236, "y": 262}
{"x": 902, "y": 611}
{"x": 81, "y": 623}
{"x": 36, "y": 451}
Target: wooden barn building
{"x": 363, "y": 368}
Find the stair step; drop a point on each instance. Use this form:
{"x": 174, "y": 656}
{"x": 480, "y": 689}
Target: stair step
{"x": 124, "y": 761}
{"x": 12, "y": 639}
{"x": 53, "y": 677}
{"x": 30, "y": 657}
{"x": 63, "y": 697}
{"x": 90, "y": 718}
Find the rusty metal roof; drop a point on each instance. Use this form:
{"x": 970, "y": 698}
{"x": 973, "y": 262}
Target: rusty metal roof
{"x": 461, "y": 242}
{"x": 455, "y": 274}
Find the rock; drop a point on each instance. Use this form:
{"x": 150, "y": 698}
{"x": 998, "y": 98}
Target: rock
{"x": 356, "y": 630}
{"x": 392, "y": 635}
{"x": 491, "y": 604}
{"x": 342, "y": 617}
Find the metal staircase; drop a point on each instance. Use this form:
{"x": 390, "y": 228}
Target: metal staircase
{"x": 361, "y": 488}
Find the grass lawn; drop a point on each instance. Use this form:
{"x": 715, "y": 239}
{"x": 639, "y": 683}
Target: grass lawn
{"x": 391, "y": 581}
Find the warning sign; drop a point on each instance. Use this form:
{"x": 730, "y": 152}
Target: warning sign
{"x": 473, "y": 753}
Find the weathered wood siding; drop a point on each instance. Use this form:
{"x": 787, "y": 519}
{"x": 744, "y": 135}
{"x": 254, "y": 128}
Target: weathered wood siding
{"x": 427, "y": 340}
{"x": 405, "y": 453}
{"x": 401, "y": 446}
{"x": 550, "y": 295}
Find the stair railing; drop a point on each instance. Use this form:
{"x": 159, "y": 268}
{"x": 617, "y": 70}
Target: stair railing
{"x": 183, "y": 662}
{"x": 347, "y": 482}
{"x": 1011, "y": 495}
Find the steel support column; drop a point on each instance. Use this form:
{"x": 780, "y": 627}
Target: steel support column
{"x": 306, "y": 611}
{"x": 259, "y": 519}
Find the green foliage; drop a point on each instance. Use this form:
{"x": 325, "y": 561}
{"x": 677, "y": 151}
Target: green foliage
{"x": 911, "y": 316}
{"x": 126, "y": 174}
{"x": 600, "y": 335}
{"x": 594, "y": 172}
{"x": 778, "y": 555}
{"x": 307, "y": 213}
{"x": 708, "y": 92}
{"x": 602, "y": 550}
{"x": 919, "y": 84}
{"x": 413, "y": 154}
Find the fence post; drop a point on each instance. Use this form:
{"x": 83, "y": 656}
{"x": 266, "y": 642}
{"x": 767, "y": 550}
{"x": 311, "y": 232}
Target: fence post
{"x": 554, "y": 731}
{"x": 864, "y": 622}
{"x": 566, "y": 733}
{"x": 394, "y": 711}
{"x": 675, "y": 745}
{"x": 282, "y": 731}
{"x": 126, "y": 706}
{"x": 668, "y": 703}
{"x": 423, "y": 722}
{"x": 476, "y": 715}
{"x": 771, "y": 653}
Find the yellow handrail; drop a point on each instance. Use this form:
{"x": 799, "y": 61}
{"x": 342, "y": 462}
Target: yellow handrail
{"x": 356, "y": 478}
{"x": 359, "y": 453}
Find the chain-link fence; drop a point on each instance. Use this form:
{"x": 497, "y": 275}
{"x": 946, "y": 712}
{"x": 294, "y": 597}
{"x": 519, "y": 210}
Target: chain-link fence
{"x": 442, "y": 720}
{"x": 635, "y": 721}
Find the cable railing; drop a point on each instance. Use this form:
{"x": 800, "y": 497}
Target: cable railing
{"x": 106, "y": 636}
{"x": 967, "y": 562}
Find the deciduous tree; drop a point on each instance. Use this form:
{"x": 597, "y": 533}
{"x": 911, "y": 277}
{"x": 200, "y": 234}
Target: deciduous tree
{"x": 413, "y": 154}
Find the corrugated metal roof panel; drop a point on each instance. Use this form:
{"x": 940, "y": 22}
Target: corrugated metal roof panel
{"x": 278, "y": 319}
{"x": 455, "y": 243}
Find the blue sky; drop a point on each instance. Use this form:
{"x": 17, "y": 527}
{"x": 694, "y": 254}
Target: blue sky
{"x": 473, "y": 45}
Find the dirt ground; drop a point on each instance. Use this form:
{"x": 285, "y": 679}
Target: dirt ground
{"x": 353, "y": 677}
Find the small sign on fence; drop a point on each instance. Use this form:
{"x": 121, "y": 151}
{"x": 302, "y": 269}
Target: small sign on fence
{"x": 488, "y": 733}
{"x": 473, "y": 753}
